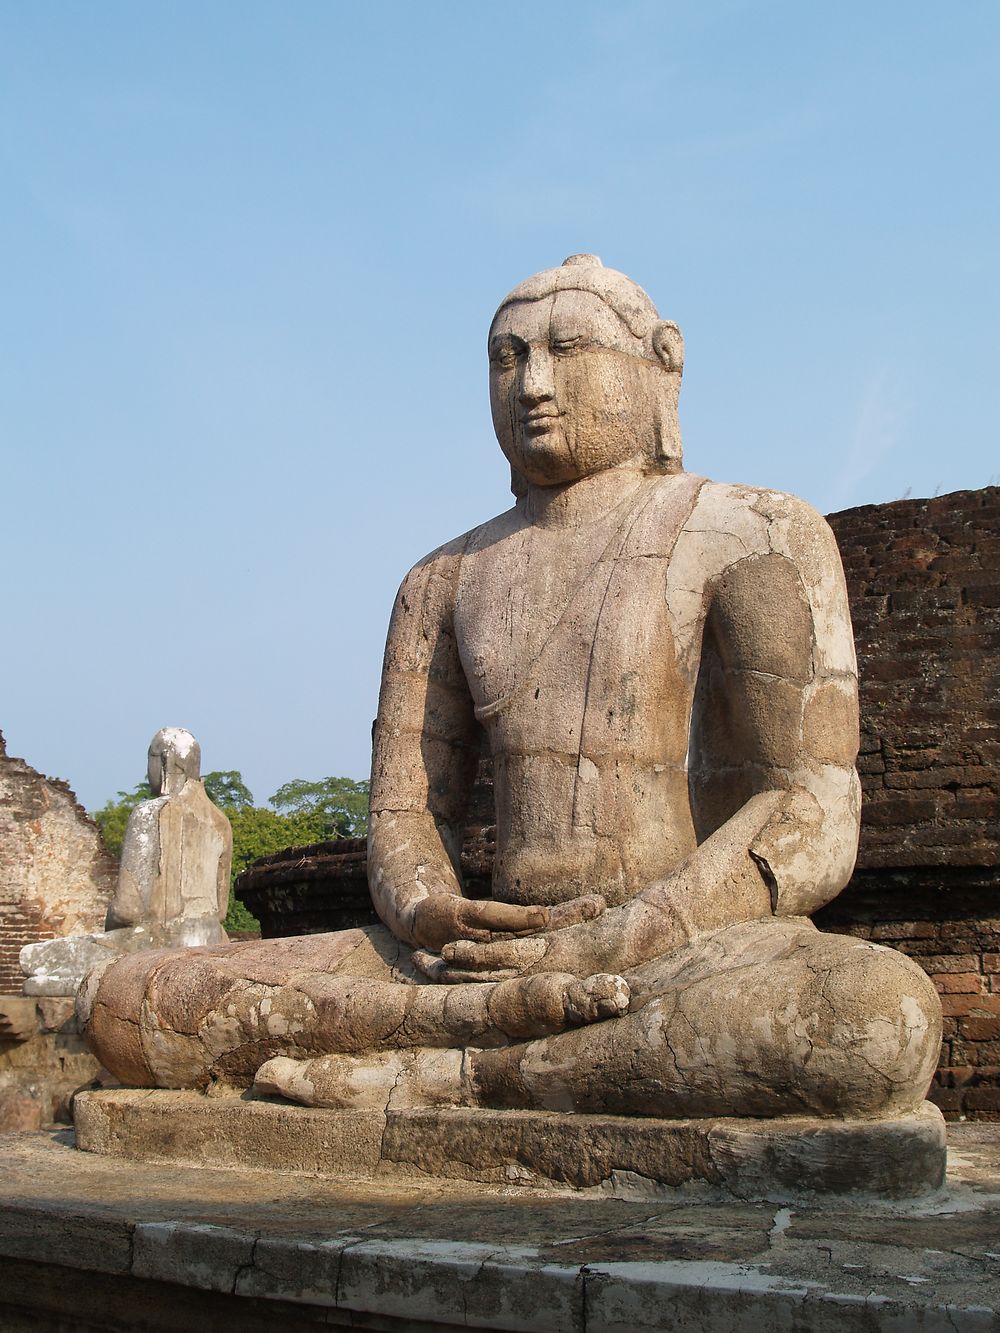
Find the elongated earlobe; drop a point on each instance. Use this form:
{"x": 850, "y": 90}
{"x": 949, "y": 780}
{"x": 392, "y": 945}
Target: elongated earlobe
{"x": 668, "y": 344}
{"x": 518, "y": 485}
{"x": 667, "y": 448}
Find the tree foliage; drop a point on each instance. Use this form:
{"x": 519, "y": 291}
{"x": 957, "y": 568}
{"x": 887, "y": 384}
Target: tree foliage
{"x": 301, "y": 812}
{"x": 228, "y": 790}
{"x": 340, "y": 804}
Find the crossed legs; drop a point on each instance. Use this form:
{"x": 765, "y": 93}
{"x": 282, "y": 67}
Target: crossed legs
{"x": 762, "y": 1019}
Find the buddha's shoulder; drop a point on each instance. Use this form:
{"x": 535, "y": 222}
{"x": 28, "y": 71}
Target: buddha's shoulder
{"x": 758, "y": 514}
{"x": 730, "y": 522}
{"x": 444, "y": 562}
{"x": 720, "y": 497}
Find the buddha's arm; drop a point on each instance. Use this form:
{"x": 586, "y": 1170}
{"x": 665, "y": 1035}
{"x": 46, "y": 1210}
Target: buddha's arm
{"x": 776, "y": 711}
{"x": 773, "y": 787}
{"x": 422, "y": 771}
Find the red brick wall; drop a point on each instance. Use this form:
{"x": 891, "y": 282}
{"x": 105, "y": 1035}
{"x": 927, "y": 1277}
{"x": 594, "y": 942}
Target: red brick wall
{"x": 55, "y": 876}
{"x": 924, "y": 581}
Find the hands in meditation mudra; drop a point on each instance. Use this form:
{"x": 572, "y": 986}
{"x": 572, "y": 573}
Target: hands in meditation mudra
{"x": 665, "y": 672}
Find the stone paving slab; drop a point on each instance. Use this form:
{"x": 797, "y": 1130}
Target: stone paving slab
{"x": 168, "y": 1245}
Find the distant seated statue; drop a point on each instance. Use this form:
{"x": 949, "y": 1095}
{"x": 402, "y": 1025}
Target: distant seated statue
{"x": 173, "y": 884}
{"x": 174, "y": 877}
{"x": 665, "y": 673}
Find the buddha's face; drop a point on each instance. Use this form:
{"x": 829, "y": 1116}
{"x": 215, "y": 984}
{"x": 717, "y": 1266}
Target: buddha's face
{"x": 569, "y": 387}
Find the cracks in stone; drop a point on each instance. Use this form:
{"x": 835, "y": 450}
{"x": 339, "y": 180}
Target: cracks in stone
{"x": 718, "y": 1176}
{"x": 586, "y": 1273}
{"x": 768, "y": 876}
{"x": 679, "y": 1013}
{"x": 822, "y": 976}
{"x": 248, "y": 1267}
{"x": 338, "y": 1296}
{"x": 404, "y": 1069}
{"x": 469, "y": 1281}
{"x": 718, "y": 533}
{"x": 665, "y": 1034}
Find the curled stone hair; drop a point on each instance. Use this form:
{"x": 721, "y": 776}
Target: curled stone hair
{"x": 586, "y": 273}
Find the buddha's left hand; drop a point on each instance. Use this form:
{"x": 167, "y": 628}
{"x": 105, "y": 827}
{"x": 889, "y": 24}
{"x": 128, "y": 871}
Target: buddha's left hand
{"x": 499, "y": 960}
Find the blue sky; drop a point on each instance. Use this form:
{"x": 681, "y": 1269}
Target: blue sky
{"x": 252, "y": 250}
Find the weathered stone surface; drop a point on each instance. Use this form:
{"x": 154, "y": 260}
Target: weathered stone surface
{"x": 911, "y": 616}
{"x": 173, "y": 882}
{"x": 18, "y": 1018}
{"x": 664, "y": 671}
{"x": 43, "y": 1062}
{"x": 55, "y": 876}
{"x": 947, "y": 920}
{"x": 58, "y": 966}
{"x": 783, "y": 1158}
{"x": 264, "y": 1251}
{"x": 177, "y": 850}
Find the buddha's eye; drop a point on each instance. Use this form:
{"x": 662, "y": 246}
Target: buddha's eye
{"x": 503, "y": 355}
{"x": 568, "y": 345}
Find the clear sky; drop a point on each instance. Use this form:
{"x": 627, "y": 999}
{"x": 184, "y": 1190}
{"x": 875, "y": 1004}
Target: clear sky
{"x": 251, "y": 251}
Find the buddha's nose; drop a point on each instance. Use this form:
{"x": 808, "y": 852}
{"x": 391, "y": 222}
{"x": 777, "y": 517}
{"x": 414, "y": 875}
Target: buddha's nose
{"x": 537, "y": 383}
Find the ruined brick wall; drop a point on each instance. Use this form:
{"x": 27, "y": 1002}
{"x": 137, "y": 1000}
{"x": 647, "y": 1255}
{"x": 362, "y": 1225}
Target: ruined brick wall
{"x": 55, "y": 876}
{"x": 924, "y": 581}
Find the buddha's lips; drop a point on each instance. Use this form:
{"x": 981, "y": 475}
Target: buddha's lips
{"x": 540, "y": 420}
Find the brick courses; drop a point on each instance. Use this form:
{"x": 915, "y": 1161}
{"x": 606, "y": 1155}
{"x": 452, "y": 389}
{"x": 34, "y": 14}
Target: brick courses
{"x": 55, "y": 876}
{"x": 924, "y": 583}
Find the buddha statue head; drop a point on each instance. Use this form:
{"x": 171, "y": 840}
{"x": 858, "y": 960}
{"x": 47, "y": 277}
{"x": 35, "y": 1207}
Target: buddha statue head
{"x": 174, "y": 757}
{"x": 584, "y": 376}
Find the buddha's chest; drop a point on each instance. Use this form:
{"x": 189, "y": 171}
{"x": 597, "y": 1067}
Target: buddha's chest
{"x": 558, "y": 636}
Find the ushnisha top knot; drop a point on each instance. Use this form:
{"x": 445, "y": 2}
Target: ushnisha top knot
{"x": 586, "y": 273}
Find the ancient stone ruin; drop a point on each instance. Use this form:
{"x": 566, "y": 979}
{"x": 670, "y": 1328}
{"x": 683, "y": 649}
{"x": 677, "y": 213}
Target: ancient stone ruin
{"x": 173, "y": 881}
{"x": 924, "y": 583}
{"x": 56, "y": 877}
{"x": 56, "y": 880}
{"x": 674, "y": 787}
{"x": 664, "y": 671}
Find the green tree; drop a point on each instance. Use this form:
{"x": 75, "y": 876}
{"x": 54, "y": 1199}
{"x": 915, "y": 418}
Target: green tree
{"x": 340, "y": 803}
{"x": 112, "y": 817}
{"x": 259, "y": 832}
{"x": 228, "y": 790}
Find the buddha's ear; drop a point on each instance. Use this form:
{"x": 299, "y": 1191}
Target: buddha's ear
{"x": 668, "y": 344}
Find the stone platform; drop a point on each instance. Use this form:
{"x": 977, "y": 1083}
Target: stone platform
{"x": 780, "y": 1160}
{"x": 92, "y": 1242}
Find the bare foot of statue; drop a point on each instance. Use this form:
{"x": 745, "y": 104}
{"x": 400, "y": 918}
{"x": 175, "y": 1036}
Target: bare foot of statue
{"x": 423, "y": 1076}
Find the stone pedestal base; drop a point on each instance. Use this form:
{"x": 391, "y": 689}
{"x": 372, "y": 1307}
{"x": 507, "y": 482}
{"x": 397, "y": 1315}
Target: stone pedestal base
{"x": 627, "y": 1157}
